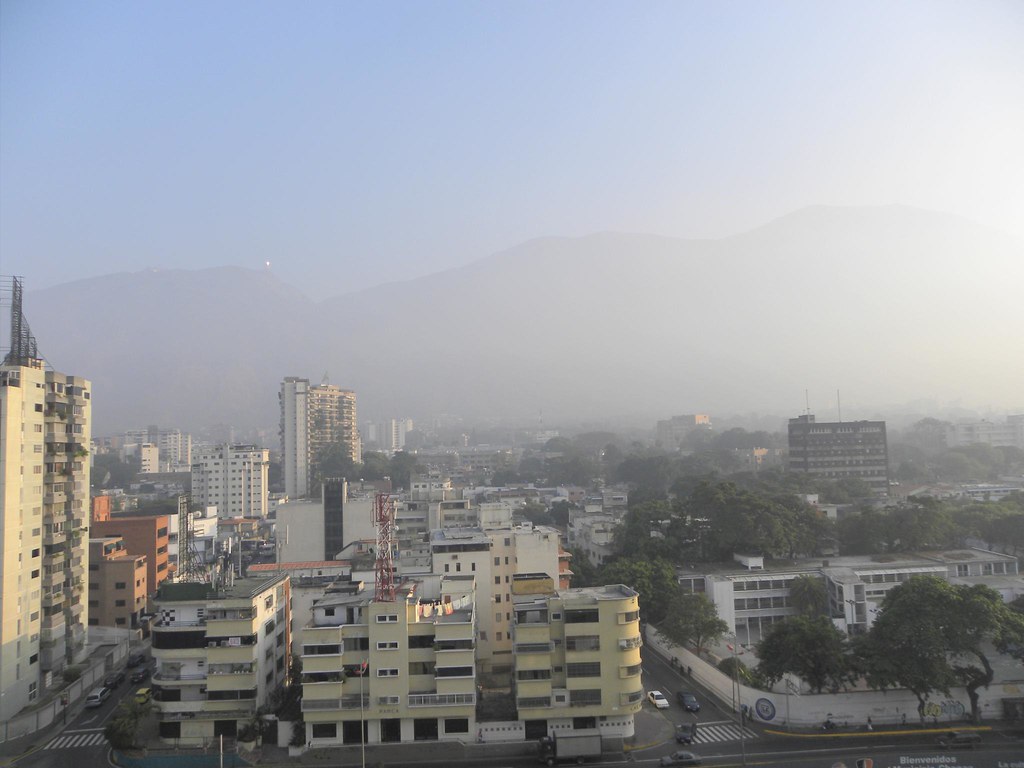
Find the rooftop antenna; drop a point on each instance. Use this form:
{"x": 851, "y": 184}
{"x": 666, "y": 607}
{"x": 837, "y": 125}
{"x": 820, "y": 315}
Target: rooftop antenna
{"x": 190, "y": 566}
{"x": 384, "y": 517}
{"x": 807, "y": 402}
{"x": 325, "y": 380}
{"x": 23, "y": 343}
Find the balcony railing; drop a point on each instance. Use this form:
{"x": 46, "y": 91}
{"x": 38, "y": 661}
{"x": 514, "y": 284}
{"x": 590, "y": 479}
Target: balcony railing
{"x": 441, "y": 699}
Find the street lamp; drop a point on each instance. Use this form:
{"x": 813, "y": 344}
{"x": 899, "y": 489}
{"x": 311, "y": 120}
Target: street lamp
{"x": 737, "y": 696}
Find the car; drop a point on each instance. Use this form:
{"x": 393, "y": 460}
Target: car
{"x": 688, "y": 701}
{"x": 685, "y": 733}
{"x": 135, "y": 659}
{"x": 657, "y": 699}
{"x": 143, "y": 695}
{"x": 139, "y": 675}
{"x": 96, "y": 697}
{"x": 681, "y": 758}
{"x": 113, "y": 680}
{"x": 959, "y": 739}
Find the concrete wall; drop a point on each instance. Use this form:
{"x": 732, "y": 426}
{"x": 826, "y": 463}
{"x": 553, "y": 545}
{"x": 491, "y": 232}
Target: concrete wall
{"x": 852, "y": 708}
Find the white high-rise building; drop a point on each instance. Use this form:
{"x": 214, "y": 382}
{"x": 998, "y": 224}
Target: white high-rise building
{"x": 45, "y": 420}
{"x": 313, "y": 417}
{"x": 175, "y": 446}
{"x": 231, "y": 477}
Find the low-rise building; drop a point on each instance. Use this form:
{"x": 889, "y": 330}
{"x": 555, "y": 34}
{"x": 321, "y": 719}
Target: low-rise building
{"x": 147, "y": 535}
{"x": 220, "y": 650}
{"x": 390, "y": 672}
{"x": 577, "y": 658}
{"x": 118, "y": 584}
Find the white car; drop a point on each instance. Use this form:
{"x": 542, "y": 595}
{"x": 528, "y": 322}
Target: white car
{"x": 657, "y": 699}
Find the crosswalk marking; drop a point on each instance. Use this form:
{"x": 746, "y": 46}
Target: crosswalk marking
{"x": 725, "y": 732}
{"x": 75, "y": 740}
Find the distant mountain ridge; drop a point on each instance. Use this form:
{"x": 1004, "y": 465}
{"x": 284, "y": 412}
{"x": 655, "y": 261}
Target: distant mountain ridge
{"x": 885, "y": 303}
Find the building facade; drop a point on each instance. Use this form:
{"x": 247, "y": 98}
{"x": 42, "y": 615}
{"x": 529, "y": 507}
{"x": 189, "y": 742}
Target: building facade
{"x": 390, "y": 672}
{"x": 577, "y": 658}
{"x": 1009, "y": 434}
{"x": 118, "y": 586}
{"x": 147, "y": 535}
{"x": 220, "y": 652}
{"x": 313, "y": 417}
{"x": 174, "y": 447}
{"x": 231, "y": 477}
{"x": 45, "y": 422}
{"x": 840, "y": 450}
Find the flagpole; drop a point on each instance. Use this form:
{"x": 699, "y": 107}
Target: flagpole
{"x": 362, "y": 722}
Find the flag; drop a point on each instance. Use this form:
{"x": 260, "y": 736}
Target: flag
{"x": 363, "y": 667}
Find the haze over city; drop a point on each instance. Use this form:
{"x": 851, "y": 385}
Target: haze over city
{"x": 339, "y": 147}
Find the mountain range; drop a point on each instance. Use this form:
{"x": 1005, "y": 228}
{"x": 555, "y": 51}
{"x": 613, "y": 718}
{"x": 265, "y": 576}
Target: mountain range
{"x": 885, "y": 304}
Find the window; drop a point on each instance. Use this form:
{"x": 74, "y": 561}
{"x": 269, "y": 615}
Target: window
{"x": 497, "y": 561}
{"x": 387, "y": 672}
{"x": 456, "y": 725}
{"x": 119, "y": 585}
{"x": 497, "y": 579}
{"x": 387, "y": 618}
{"x": 387, "y": 645}
{"x": 584, "y": 669}
{"x": 454, "y": 672}
{"x": 325, "y": 730}
{"x": 120, "y": 603}
{"x": 585, "y": 697}
{"x": 583, "y": 643}
{"x": 586, "y": 616}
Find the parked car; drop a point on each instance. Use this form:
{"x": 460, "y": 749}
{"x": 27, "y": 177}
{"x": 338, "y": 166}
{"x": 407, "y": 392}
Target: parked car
{"x": 135, "y": 659}
{"x": 139, "y": 675}
{"x": 658, "y": 699}
{"x": 959, "y": 739}
{"x": 143, "y": 695}
{"x": 685, "y": 733}
{"x": 681, "y": 758}
{"x": 688, "y": 701}
{"x": 114, "y": 679}
{"x": 96, "y": 697}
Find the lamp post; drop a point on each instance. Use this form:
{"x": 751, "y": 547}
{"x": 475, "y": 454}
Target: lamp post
{"x": 738, "y": 697}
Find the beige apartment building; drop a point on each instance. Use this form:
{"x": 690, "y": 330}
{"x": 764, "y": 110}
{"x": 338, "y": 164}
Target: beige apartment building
{"x": 118, "y": 584}
{"x": 220, "y": 651}
{"x": 390, "y": 672}
{"x": 577, "y": 657}
{"x": 45, "y": 420}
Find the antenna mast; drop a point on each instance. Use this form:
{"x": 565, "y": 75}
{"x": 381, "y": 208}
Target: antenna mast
{"x": 190, "y": 569}
{"x": 23, "y": 343}
{"x": 384, "y": 517}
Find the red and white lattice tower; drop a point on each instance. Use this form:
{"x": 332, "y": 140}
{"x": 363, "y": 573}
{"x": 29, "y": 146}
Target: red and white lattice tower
{"x": 384, "y": 519}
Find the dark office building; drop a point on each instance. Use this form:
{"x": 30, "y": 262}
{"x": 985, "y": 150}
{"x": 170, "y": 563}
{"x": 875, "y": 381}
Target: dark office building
{"x": 838, "y": 450}
{"x": 334, "y": 492}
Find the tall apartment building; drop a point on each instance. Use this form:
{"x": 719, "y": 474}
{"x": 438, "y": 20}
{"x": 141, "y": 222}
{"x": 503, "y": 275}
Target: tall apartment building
{"x": 118, "y": 587}
{"x": 840, "y": 450}
{"x": 577, "y": 657}
{"x": 313, "y": 417}
{"x": 174, "y": 447}
{"x": 385, "y": 672}
{"x": 672, "y": 433}
{"x": 45, "y": 420}
{"x": 231, "y": 477}
{"x": 220, "y": 652}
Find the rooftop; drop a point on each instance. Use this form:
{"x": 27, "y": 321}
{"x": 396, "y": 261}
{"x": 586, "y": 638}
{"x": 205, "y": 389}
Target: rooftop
{"x": 196, "y": 591}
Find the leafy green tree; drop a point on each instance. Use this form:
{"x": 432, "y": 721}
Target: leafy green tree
{"x": 402, "y": 466}
{"x": 584, "y": 574}
{"x": 536, "y": 512}
{"x": 333, "y": 460}
{"x": 692, "y": 620}
{"x": 653, "y": 579}
{"x": 640, "y": 534}
{"x": 808, "y": 595}
{"x": 123, "y": 728}
{"x": 931, "y": 636}
{"x": 809, "y": 647}
{"x": 375, "y": 465}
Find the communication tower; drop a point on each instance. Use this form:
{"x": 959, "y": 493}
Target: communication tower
{"x": 384, "y": 518}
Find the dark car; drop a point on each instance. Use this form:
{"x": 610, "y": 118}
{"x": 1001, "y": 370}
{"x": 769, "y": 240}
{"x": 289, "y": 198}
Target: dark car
{"x": 688, "y": 701}
{"x": 685, "y": 733}
{"x": 113, "y": 680}
{"x": 135, "y": 659}
{"x": 959, "y": 739}
{"x": 139, "y": 675}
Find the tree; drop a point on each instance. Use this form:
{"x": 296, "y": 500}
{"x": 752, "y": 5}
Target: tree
{"x": 402, "y": 467}
{"x": 584, "y": 574}
{"x": 808, "y": 595}
{"x": 932, "y": 635}
{"x": 123, "y": 727}
{"x": 654, "y": 580}
{"x": 692, "y": 619}
{"x": 809, "y": 647}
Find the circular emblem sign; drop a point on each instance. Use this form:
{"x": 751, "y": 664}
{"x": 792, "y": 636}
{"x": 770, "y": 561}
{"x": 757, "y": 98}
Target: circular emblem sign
{"x": 765, "y": 709}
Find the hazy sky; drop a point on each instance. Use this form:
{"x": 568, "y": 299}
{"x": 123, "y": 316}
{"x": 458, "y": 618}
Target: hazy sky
{"x": 356, "y": 143}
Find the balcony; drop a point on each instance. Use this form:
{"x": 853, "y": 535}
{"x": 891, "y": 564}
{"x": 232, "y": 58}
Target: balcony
{"x": 171, "y": 678}
{"x": 344, "y": 702}
{"x": 629, "y": 643}
{"x": 228, "y": 627}
{"x": 441, "y": 699}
